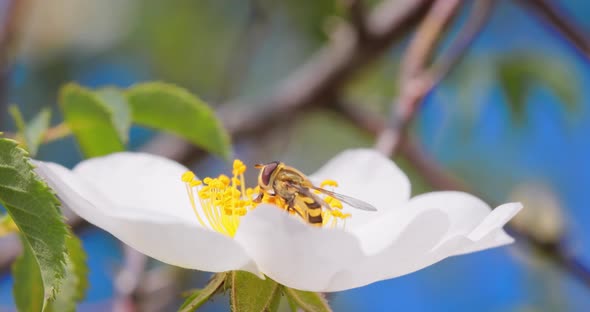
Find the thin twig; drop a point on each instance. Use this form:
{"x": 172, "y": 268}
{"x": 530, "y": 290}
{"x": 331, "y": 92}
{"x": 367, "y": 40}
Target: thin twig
{"x": 416, "y": 81}
{"x": 357, "y": 14}
{"x": 128, "y": 280}
{"x": 54, "y": 133}
{"x": 550, "y": 12}
{"x": 8, "y": 38}
{"x": 478, "y": 17}
{"x": 417, "y": 78}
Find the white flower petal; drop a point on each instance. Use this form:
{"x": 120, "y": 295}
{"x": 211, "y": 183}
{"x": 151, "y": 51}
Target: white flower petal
{"x": 369, "y": 176}
{"x": 473, "y": 225}
{"x": 405, "y": 253}
{"x": 489, "y": 233}
{"x": 163, "y": 236}
{"x": 304, "y": 257}
{"x": 428, "y": 229}
{"x": 464, "y": 212}
{"x": 140, "y": 199}
{"x": 442, "y": 224}
{"x": 147, "y": 183}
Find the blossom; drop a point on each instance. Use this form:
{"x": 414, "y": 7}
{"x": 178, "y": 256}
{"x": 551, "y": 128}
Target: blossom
{"x": 142, "y": 200}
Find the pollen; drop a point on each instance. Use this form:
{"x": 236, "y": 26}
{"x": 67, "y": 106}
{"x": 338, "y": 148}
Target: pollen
{"x": 219, "y": 203}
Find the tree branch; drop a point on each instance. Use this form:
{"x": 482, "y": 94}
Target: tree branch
{"x": 316, "y": 82}
{"x": 8, "y": 38}
{"x": 416, "y": 81}
{"x": 552, "y": 14}
{"x": 356, "y": 12}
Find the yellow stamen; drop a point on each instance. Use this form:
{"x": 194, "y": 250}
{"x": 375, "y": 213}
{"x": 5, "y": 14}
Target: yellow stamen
{"x": 224, "y": 200}
{"x": 326, "y": 183}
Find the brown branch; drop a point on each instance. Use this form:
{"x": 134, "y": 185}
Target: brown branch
{"x": 8, "y": 38}
{"x": 416, "y": 81}
{"x": 478, "y": 17}
{"x": 357, "y": 13}
{"x": 552, "y": 14}
{"x": 128, "y": 280}
{"x": 417, "y": 78}
{"x": 317, "y": 81}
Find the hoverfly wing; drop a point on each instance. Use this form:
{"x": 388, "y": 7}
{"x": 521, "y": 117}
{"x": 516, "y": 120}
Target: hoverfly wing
{"x": 353, "y": 202}
{"x": 306, "y": 192}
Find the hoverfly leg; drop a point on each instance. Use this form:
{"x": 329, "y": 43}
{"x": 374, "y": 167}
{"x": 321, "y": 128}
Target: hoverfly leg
{"x": 291, "y": 204}
{"x": 258, "y": 198}
{"x": 291, "y": 207}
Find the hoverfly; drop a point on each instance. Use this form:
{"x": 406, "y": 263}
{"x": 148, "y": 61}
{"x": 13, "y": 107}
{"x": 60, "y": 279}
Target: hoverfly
{"x": 277, "y": 179}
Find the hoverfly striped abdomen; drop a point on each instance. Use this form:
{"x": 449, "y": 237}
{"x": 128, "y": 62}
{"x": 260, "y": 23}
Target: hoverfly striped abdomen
{"x": 314, "y": 212}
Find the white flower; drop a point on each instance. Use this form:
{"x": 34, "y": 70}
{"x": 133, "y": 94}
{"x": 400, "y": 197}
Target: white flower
{"x": 140, "y": 199}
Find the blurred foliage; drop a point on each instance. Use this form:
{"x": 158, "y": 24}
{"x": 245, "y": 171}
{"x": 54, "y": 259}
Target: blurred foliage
{"x": 91, "y": 120}
{"x": 100, "y": 120}
{"x": 517, "y": 75}
{"x": 121, "y": 112}
{"x": 312, "y": 140}
{"x": 31, "y": 134}
{"x": 167, "y": 35}
{"x": 311, "y": 16}
{"x": 376, "y": 87}
{"x": 171, "y": 108}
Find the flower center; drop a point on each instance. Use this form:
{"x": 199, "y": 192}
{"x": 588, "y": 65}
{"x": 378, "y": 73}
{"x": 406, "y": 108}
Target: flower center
{"x": 223, "y": 201}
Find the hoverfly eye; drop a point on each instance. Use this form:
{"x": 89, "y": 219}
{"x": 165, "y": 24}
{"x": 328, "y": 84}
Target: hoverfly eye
{"x": 267, "y": 172}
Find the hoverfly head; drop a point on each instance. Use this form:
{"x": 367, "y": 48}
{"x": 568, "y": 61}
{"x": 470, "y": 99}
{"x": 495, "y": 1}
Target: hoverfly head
{"x": 266, "y": 174}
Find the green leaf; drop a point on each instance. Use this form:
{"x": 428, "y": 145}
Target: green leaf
{"x": 34, "y": 209}
{"x": 32, "y": 133}
{"x": 307, "y": 300}
{"x": 292, "y": 304}
{"x": 117, "y": 103}
{"x": 35, "y": 130}
{"x": 199, "y": 297}
{"x": 250, "y": 293}
{"x": 275, "y": 303}
{"x": 518, "y": 75}
{"x": 28, "y": 285}
{"x": 170, "y": 108}
{"x": 19, "y": 121}
{"x": 91, "y": 120}
{"x": 75, "y": 283}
